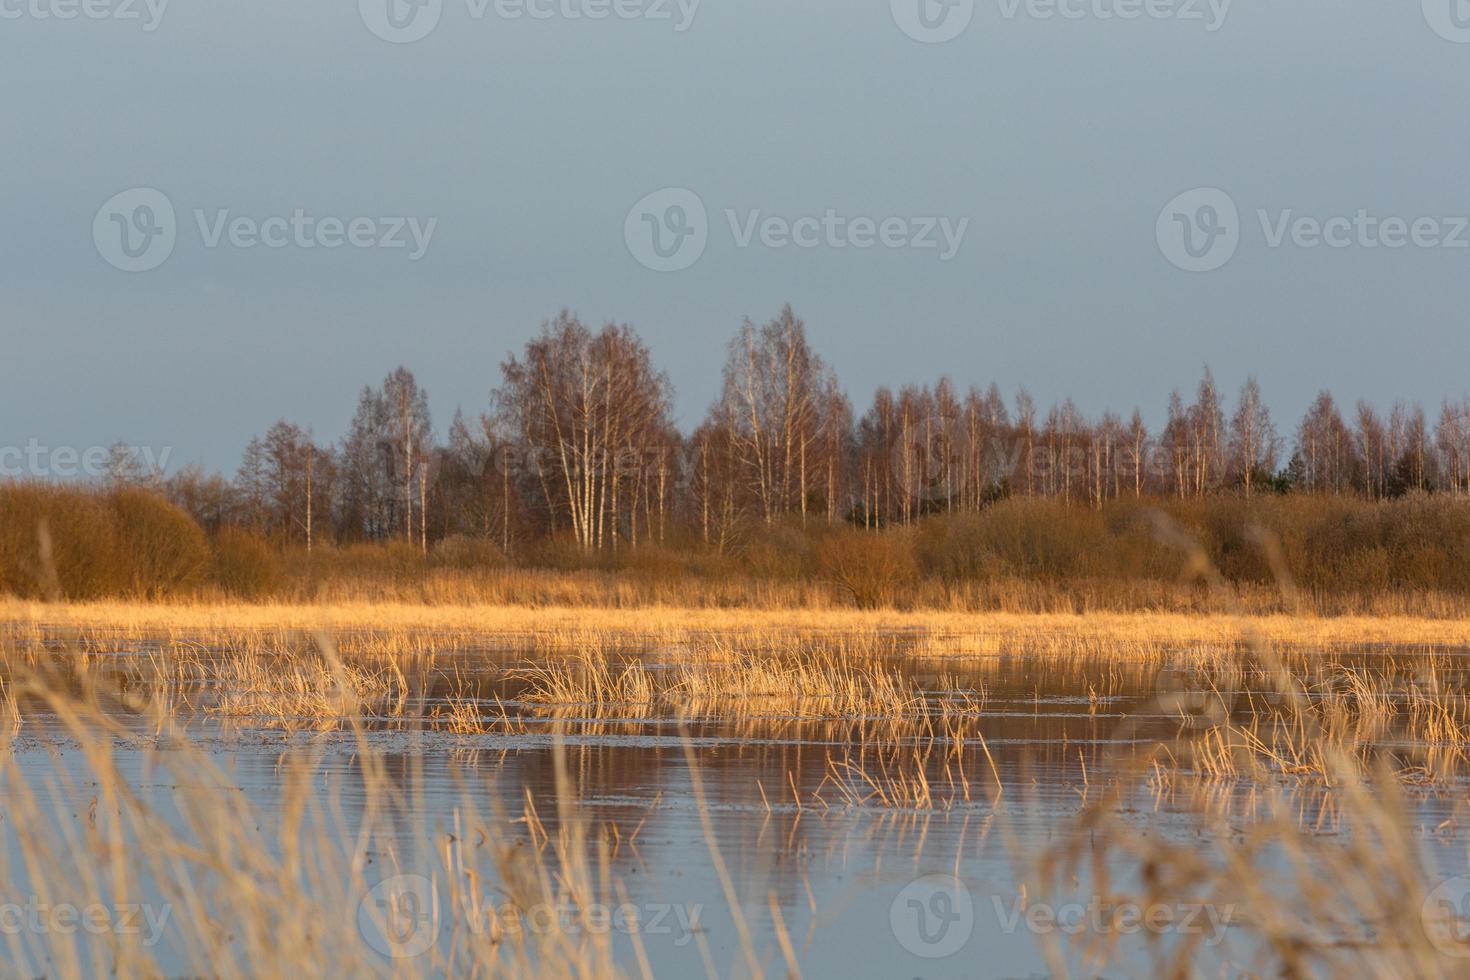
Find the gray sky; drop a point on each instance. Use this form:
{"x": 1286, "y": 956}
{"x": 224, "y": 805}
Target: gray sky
{"x": 529, "y": 140}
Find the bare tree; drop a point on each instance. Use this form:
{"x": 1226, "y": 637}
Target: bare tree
{"x": 1254, "y": 446}
{"x": 1452, "y": 437}
{"x": 776, "y": 390}
{"x": 1326, "y": 447}
{"x": 1373, "y": 451}
{"x": 1177, "y": 433}
{"x": 286, "y": 484}
{"x": 587, "y": 407}
{"x": 388, "y": 444}
{"x": 1409, "y": 438}
{"x": 1137, "y": 451}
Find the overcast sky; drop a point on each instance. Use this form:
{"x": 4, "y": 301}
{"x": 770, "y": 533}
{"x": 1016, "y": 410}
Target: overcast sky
{"x": 521, "y": 145}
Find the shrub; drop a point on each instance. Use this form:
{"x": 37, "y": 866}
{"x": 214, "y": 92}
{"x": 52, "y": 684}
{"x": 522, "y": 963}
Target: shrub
{"x": 560, "y": 552}
{"x": 84, "y": 553}
{"x": 391, "y": 561}
{"x": 460, "y": 551}
{"x": 244, "y": 564}
{"x": 776, "y": 551}
{"x": 652, "y": 562}
{"x": 161, "y": 548}
{"x": 871, "y": 569}
{"x": 1030, "y": 539}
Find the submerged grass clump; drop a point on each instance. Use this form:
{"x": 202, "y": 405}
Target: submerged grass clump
{"x": 301, "y": 690}
{"x": 814, "y": 685}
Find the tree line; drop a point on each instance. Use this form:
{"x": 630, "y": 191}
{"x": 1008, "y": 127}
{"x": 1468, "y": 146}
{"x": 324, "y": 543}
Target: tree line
{"x": 578, "y": 441}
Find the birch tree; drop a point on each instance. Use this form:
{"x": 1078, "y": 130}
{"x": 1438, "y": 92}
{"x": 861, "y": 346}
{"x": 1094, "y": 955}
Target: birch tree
{"x": 586, "y": 406}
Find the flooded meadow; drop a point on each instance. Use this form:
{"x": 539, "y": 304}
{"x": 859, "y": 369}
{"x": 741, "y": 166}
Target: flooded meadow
{"x": 884, "y": 803}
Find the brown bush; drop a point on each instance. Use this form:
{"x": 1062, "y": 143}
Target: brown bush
{"x": 870, "y": 569}
{"x": 84, "y": 555}
{"x": 1343, "y": 553}
{"x": 783, "y": 552}
{"x": 244, "y": 564}
{"x": 128, "y": 542}
{"x": 1046, "y": 541}
{"x": 652, "y": 562}
{"x": 161, "y": 550}
{"x": 460, "y": 551}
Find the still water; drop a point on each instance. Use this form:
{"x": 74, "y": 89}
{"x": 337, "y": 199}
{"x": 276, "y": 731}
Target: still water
{"x": 818, "y": 870}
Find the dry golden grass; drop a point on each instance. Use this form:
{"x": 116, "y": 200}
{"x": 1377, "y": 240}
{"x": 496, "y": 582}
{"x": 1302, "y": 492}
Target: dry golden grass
{"x": 898, "y": 778}
{"x": 594, "y": 684}
{"x": 251, "y": 893}
{"x": 287, "y": 882}
{"x": 299, "y": 691}
{"x": 1358, "y": 903}
{"x": 1399, "y": 717}
{"x": 395, "y": 629}
{"x": 814, "y": 685}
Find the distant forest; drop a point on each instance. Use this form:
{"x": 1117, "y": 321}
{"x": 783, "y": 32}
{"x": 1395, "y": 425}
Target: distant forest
{"x": 579, "y": 443}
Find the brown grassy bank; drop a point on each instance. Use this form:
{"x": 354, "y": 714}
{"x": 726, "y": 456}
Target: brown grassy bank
{"x": 957, "y": 632}
{"x": 1298, "y": 555}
